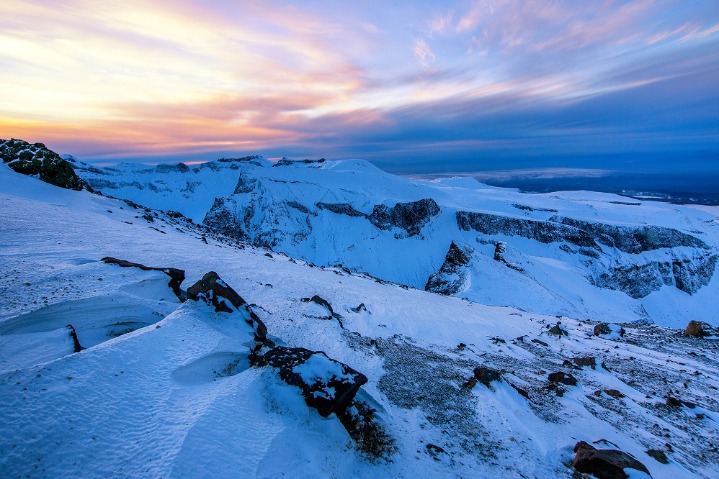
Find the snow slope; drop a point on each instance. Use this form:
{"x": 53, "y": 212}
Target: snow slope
{"x": 584, "y": 254}
{"x": 176, "y": 398}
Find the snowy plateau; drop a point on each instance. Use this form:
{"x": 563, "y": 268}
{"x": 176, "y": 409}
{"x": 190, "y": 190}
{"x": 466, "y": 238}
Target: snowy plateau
{"x": 248, "y": 318}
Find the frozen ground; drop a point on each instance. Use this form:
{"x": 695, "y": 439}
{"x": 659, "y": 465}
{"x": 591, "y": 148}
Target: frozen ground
{"x": 164, "y": 389}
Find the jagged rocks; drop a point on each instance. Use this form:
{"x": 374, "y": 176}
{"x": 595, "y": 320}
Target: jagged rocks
{"x": 542, "y": 231}
{"x": 610, "y": 330}
{"x": 585, "y": 361}
{"x": 217, "y": 293}
{"x": 604, "y": 463}
{"x": 37, "y": 160}
{"x": 639, "y": 280}
{"x": 562, "y": 377}
{"x": 177, "y": 276}
{"x": 410, "y": 217}
{"x": 451, "y": 276}
{"x": 327, "y": 385}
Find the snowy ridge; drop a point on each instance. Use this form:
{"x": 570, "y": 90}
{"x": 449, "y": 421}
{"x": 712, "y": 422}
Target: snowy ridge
{"x": 583, "y": 254}
{"x": 177, "y": 398}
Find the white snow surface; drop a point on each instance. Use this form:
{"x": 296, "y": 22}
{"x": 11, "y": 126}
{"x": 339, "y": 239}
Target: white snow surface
{"x": 176, "y": 397}
{"x": 278, "y": 207}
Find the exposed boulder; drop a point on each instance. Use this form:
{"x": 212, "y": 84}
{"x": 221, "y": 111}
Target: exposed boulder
{"x": 410, "y": 217}
{"x": 37, "y": 160}
{"x": 698, "y": 329}
{"x": 604, "y": 463}
{"x": 177, "y": 276}
{"x": 562, "y": 377}
{"x": 327, "y": 385}
{"x": 486, "y": 375}
{"x": 658, "y": 455}
{"x": 611, "y": 330}
{"x": 585, "y": 361}
{"x": 451, "y": 276}
{"x": 217, "y": 293}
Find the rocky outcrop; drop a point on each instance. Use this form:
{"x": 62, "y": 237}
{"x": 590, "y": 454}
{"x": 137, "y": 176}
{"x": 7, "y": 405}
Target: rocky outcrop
{"x": 326, "y": 385}
{"x": 639, "y": 280}
{"x": 223, "y": 220}
{"x": 244, "y": 184}
{"x": 410, "y": 217}
{"x": 606, "y": 329}
{"x": 37, "y": 160}
{"x": 604, "y": 463}
{"x": 76, "y": 346}
{"x": 633, "y": 239}
{"x": 562, "y": 377}
{"x": 699, "y": 329}
{"x": 177, "y": 276}
{"x": 217, "y": 293}
{"x": 542, "y": 231}
{"x": 341, "y": 209}
{"x": 451, "y": 276}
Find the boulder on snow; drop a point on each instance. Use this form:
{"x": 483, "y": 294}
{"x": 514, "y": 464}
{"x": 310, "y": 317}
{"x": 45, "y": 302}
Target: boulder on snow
{"x": 606, "y": 329}
{"x": 585, "y": 361}
{"x": 217, "y": 293}
{"x": 698, "y": 329}
{"x": 322, "y": 302}
{"x": 604, "y": 463}
{"x": 177, "y": 276}
{"x": 562, "y": 377}
{"x": 499, "y": 249}
{"x": 486, "y": 375}
{"x": 327, "y": 385}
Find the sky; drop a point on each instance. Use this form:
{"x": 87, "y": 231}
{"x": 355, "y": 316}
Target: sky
{"x": 416, "y": 86}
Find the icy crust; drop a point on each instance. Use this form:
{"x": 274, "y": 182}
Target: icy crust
{"x": 178, "y": 398}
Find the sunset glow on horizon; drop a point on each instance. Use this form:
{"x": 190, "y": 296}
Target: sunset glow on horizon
{"x": 473, "y": 79}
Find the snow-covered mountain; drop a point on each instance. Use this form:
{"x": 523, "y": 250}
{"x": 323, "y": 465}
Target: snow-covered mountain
{"x": 149, "y": 365}
{"x": 580, "y": 254}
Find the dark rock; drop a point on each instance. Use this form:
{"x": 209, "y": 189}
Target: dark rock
{"x": 499, "y": 249}
{"x": 604, "y": 463}
{"x": 341, "y": 209}
{"x": 586, "y": 361}
{"x": 542, "y": 231}
{"x": 613, "y": 393}
{"x": 672, "y": 402}
{"x": 435, "y": 451}
{"x": 540, "y": 342}
{"x": 217, "y": 293}
{"x": 327, "y": 385}
{"x": 522, "y": 392}
{"x": 564, "y": 378}
{"x": 410, "y": 217}
{"x": 177, "y": 276}
{"x": 486, "y": 375}
{"x": 75, "y": 342}
{"x": 451, "y": 276}
{"x": 362, "y": 424}
{"x": 557, "y": 330}
{"x": 659, "y": 455}
{"x": 359, "y": 308}
{"x": 322, "y": 302}
{"x": 604, "y": 329}
{"x": 37, "y": 160}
